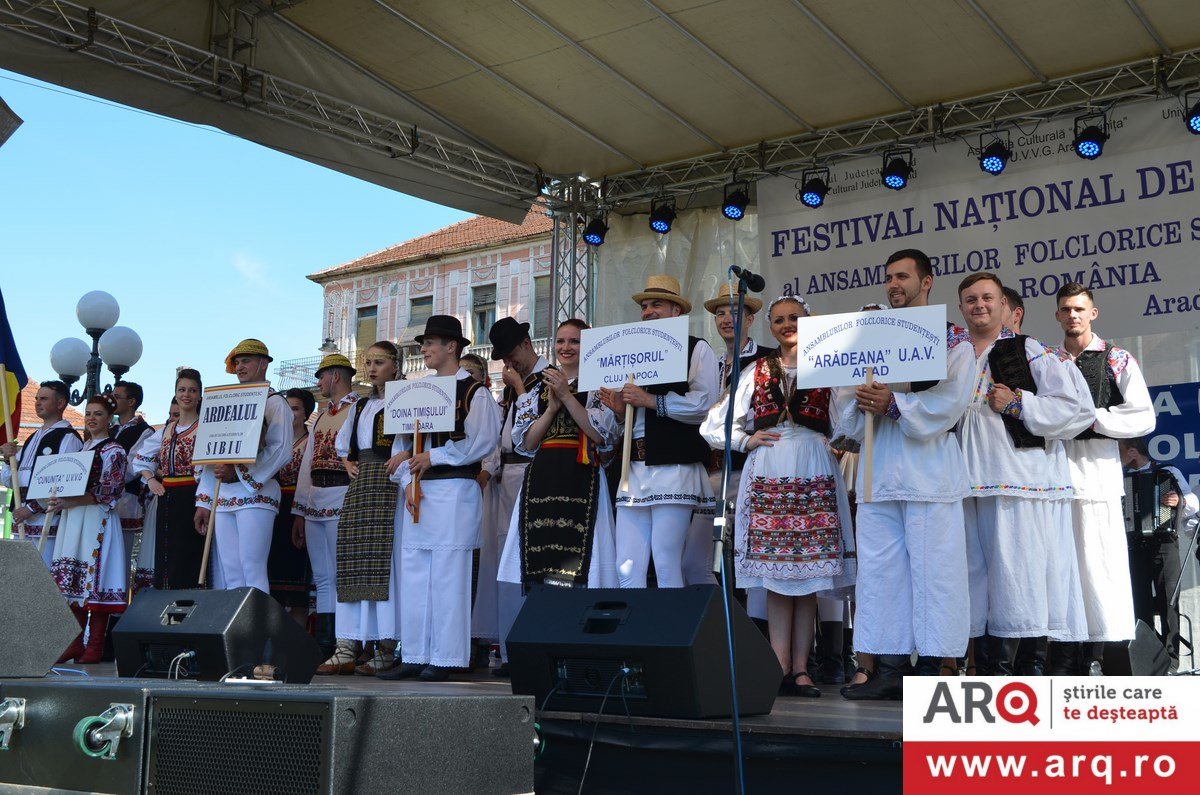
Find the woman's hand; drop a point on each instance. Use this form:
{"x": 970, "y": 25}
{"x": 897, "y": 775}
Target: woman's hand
{"x": 156, "y": 487}
{"x": 395, "y": 461}
{"x": 351, "y": 468}
{"x": 763, "y": 438}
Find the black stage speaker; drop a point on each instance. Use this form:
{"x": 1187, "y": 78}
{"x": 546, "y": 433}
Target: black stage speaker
{"x": 1145, "y": 655}
{"x": 575, "y": 642}
{"x": 222, "y": 631}
{"x": 35, "y": 623}
{"x": 200, "y": 738}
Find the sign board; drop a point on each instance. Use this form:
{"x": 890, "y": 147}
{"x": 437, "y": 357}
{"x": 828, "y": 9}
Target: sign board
{"x": 429, "y": 401}
{"x": 67, "y": 472}
{"x": 1175, "y": 440}
{"x": 651, "y": 352}
{"x": 901, "y": 344}
{"x": 231, "y": 421}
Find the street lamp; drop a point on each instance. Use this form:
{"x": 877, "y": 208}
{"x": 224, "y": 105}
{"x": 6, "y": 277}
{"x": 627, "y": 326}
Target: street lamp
{"x": 117, "y": 346}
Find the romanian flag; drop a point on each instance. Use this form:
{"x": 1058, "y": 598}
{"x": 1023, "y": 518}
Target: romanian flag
{"x": 14, "y": 376}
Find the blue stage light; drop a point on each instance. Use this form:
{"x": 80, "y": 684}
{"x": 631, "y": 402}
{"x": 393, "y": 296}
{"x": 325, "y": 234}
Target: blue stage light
{"x": 994, "y": 157}
{"x": 1089, "y": 142}
{"x": 814, "y": 187}
{"x": 896, "y": 172}
{"x": 1193, "y": 119}
{"x": 734, "y": 206}
{"x": 594, "y": 232}
{"x": 661, "y": 216}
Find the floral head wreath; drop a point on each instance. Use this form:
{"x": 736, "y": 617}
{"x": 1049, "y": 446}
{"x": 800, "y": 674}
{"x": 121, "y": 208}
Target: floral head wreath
{"x": 799, "y": 299}
{"x": 106, "y": 400}
{"x": 872, "y": 307}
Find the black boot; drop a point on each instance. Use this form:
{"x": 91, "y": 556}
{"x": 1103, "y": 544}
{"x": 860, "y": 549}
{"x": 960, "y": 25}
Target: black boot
{"x": 324, "y": 634}
{"x": 1031, "y": 656}
{"x": 888, "y": 684}
{"x": 1062, "y": 659}
{"x": 929, "y": 666}
{"x": 829, "y": 654}
{"x": 994, "y": 656}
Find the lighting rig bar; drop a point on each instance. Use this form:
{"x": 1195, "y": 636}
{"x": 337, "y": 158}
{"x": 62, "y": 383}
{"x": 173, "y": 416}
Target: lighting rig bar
{"x": 144, "y": 52}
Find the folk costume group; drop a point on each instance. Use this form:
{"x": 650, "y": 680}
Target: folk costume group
{"x": 994, "y": 514}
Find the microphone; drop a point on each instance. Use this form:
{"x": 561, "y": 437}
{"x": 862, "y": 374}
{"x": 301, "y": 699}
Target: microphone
{"x": 754, "y": 282}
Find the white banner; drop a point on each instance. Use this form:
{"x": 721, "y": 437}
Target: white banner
{"x": 1126, "y": 225}
{"x": 900, "y": 344}
{"x": 64, "y": 475}
{"x": 650, "y": 352}
{"x": 231, "y": 421}
{"x": 429, "y": 401}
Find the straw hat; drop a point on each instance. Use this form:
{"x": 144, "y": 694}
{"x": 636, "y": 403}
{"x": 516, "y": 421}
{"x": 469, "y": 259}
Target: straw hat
{"x": 334, "y": 360}
{"x": 247, "y": 347}
{"x": 723, "y": 299}
{"x": 665, "y": 287}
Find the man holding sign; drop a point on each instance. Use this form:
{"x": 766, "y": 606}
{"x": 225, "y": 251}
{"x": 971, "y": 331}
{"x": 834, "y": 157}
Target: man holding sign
{"x": 249, "y": 498}
{"x": 668, "y": 477}
{"x": 912, "y": 554}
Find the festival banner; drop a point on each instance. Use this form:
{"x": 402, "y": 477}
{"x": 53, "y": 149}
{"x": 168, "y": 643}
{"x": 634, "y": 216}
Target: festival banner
{"x": 231, "y": 422}
{"x": 14, "y": 379}
{"x": 62, "y": 475}
{"x": 897, "y": 344}
{"x": 650, "y": 352}
{"x": 429, "y": 401}
{"x": 1126, "y": 225}
{"x": 1175, "y": 440}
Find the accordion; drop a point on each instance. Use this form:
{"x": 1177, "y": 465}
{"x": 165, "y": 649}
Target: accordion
{"x": 1145, "y": 515}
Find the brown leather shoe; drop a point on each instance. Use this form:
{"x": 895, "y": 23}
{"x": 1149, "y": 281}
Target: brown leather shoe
{"x": 342, "y": 661}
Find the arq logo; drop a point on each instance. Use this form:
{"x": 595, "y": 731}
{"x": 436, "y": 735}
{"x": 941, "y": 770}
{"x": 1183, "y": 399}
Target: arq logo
{"x": 1015, "y": 702}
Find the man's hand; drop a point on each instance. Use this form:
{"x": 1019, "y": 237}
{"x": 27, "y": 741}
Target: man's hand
{"x": 8, "y": 449}
{"x": 612, "y": 399}
{"x": 998, "y": 397}
{"x": 226, "y": 473}
{"x": 513, "y": 380}
{"x": 200, "y": 520}
{"x": 874, "y": 398}
{"x": 634, "y": 395}
{"x": 408, "y": 499}
{"x": 419, "y": 463}
{"x": 1170, "y": 499}
{"x": 22, "y": 514}
{"x": 298, "y": 532}
{"x": 482, "y": 478}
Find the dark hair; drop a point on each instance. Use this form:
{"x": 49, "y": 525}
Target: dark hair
{"x": 132, "y": 391}
{"x": 174, "y": 400}
{"x": 397, "y": 358}
{"x": 191, "y": 375}
{"x": 57, "y": 387}
{"x": 1014, "y": 299}
{"x": 1138, "y": 443}
{"x": 104, "y": 399}
{"x": 1070, "y": 290}
{"x": 924, "y": 266}
{"x": 979, "y": 277}
{"x": 574, "y": 322}
{"x": 306, "y": 400}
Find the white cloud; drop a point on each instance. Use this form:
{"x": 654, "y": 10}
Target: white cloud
{"x": 253, "y": 271}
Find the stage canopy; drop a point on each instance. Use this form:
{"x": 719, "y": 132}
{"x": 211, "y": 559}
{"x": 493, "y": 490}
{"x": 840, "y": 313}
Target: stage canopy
{"x": 486, "y": 105}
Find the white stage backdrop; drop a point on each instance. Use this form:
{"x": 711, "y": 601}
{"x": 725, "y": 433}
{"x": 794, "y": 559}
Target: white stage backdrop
{"x": 1126, "y": 225}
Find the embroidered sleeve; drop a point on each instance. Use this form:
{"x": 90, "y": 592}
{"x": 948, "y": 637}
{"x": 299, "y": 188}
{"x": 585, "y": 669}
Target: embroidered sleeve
{"x": 112, "y": 475}
{"x": 893, "y": 410}
{"x": 1118, "y": 360}
{"x": 244, "y": 471}
{"x": 1013, "y": 409}
{"x": 660, "y": 405}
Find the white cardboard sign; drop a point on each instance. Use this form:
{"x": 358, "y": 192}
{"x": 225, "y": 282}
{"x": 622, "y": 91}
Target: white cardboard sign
{"x": 901, "y": 344}
{"x": 651, "y": 352}
{"x": 231, "y": 422}
{"x": 429, "y": 401}
{"x": 66, "y": 472}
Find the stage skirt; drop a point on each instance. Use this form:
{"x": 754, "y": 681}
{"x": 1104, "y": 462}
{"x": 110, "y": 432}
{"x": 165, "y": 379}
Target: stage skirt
{"x": 178, "y": 548}
{"x": 143, "y": 548}
{"x": 288, "y": 568}
{"x": 89, "y": 559}
{"x": 366, "y": 534}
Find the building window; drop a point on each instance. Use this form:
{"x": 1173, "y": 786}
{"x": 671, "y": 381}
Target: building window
{"x": 543, "y": 309}
{"x": 420, "y": 310}
{"x": 367, "y": 327}
{"x": 483, "y": 312}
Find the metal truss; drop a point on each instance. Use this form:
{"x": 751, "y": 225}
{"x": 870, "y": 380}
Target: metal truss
{"x": 222, "y": 78}
{"x": 1146, "y": 79}
{"x": 573, "y": 260}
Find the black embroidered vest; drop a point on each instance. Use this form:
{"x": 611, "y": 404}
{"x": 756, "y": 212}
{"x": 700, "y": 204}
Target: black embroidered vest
{"x": 381, "y": 443}
{"x": 1101, "y": 384}
{"x": 465, "y": 389}
{"x": 746, "y": 366}
{"x": 1010, "y": 367}
{"x": 670, "y": 441}
{"x": 127, "y": 438}
{"x": 51, "y": 443}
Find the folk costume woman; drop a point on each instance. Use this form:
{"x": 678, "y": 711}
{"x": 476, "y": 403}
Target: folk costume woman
{"x": 792, "y": 531}
{"x": 562, "y": 530}
{"x": 89, "y": 561}
{"x": 368, "y": 542}
{"x": 164, "y": 462}
{"x": 287, "y": 563}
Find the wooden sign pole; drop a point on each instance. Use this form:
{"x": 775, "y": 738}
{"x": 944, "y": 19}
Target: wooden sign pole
{"x": 208, "y": 537}
{"x": 627, "y": 444}
{"x": 418, "y": 448}
{"x": 868, "y": 448}
{"x": 8, "y": 435}
{"x": 46, "y": 521}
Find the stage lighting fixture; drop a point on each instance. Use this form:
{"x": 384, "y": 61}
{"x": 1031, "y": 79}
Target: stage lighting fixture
{"x": 995, "y": 156}
{"x": 594, "y": 232}
{"x": 1090, "y": 137}
{"x": 897, "y": 169}
{"x": 662, "y": 213}
{"x": 814, "y": 186}
{"x": 734, "y": 206}
{"x": 1193, "y": 119}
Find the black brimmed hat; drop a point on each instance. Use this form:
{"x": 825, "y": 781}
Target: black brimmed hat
{"x": 505, "y": 335}
{"x": 446, "y": 327}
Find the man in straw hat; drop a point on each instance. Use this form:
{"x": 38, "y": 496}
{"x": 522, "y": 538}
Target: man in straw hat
{"x": 668, "y": 477}
{"x": 435, "y": 558}
{"x": 321, "y": 488}
{"x": 249, "y": 498}
{"x": 497, "y": 603}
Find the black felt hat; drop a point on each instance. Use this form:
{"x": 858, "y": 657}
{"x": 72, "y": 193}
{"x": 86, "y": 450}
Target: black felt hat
{"x": 505, "y": 335}
{"x": 446, "y": 327}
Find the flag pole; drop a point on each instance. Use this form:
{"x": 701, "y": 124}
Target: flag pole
{"x": 12, "y": 462}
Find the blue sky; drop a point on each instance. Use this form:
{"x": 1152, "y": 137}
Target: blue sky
{"x": 203, "y": 238}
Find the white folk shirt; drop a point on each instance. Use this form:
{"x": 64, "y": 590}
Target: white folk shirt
{"x": 1096, "y": 463}
{"x": 994, "y": 466}
{"x": 506, "y": 430}
{"x": 256, "y": 486}
{"x": 321, "y": 503}
{"x": 725, "y": 364}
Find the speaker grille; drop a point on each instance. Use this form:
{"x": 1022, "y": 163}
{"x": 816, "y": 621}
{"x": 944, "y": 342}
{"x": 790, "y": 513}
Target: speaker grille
{"x": 205, "y": 751}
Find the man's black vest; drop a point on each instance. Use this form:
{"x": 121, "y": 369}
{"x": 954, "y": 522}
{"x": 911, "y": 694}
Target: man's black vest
{"x": 50, "y": 444}
{"x": 1010, "y": 367}
{"x": 746, "y": 364}
{"x": 670, "y": 441}
{"x": 465, "y": 389}
{"x": 1102, "y": 385}
{"x": 127, "y": 438}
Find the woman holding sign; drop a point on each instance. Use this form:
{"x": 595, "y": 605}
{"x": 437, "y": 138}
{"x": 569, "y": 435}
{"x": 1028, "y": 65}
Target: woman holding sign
{"x": 562, "y": 530}
{"x": 368, "y": 540}
{"x": 792, "y": 531}
{"x": 89, "y": 553}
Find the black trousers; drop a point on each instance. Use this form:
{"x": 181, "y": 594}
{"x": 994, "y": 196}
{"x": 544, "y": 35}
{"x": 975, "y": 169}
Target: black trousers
{"x": 1154, "y": 568}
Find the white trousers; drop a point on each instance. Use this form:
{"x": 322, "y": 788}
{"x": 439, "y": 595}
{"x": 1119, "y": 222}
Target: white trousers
{"x": 698, "y": 550}
{"x": 1103, "y": 556}
{"x": 244, "y": 541}
{"x": 320, "y": 537}
{"x": 912, "y": 579}
{"x": 659, "y": 531}
{"x": 435, "y": 610}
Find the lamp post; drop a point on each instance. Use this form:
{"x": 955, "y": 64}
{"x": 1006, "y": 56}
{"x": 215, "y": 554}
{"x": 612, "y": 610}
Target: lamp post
{"x": 118, "y": 347}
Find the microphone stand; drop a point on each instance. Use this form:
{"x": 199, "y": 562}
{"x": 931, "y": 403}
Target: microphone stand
{"x": 722, "y": 525}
